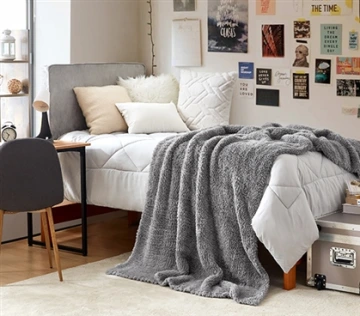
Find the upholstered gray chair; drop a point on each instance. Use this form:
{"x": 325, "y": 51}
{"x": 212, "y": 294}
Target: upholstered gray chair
{"x": 31, "y": 181}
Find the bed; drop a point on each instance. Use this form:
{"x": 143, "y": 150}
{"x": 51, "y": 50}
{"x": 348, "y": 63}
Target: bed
{"x": 300, "y": 189}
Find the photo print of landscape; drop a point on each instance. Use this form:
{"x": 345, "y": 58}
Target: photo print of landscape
{"x": 301, "y": 29}
{"x": 272, "y": 36}
{"x": 228, "y": 26}
{"x": 347, "y": 88}
{"x": 322, "y": 71}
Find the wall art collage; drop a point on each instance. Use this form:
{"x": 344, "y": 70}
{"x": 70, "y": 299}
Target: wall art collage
{"x": 306, "y": 69}
{"x": 227, "y": 23}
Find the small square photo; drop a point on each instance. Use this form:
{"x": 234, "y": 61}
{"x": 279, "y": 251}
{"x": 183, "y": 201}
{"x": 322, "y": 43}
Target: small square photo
{"x": 184, "y": 5}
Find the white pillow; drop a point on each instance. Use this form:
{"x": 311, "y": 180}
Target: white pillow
{"x": 154, "y": 89}
{"x": 205, "y": 98}
{"x": 146, "y": 118}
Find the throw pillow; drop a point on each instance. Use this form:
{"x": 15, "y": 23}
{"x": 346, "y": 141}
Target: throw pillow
{"x": 146, "y": 118}
{"x": 205, "y": 98}
{"x": 154, "y": 89}
{"x": 98, "y": 107}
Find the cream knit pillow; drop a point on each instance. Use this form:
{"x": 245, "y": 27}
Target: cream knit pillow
{"x": 163, "y": 88}
{"x": 98, "y": 107}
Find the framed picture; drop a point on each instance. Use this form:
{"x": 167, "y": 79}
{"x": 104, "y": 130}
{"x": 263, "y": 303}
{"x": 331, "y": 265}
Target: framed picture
{"x": 184, "y": 5}
{"x": 322, "y": 70}
{"x": 301, "y": 86}
{"x": 273, "y": 44}
{"x": 347, "y": 88}
{"x": 302, "y": 53}
{"x": 228, "y": 26}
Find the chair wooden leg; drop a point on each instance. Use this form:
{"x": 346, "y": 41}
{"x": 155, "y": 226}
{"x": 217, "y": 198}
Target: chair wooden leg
{"x": 44, "y": 223}
{"x": 54, "y": 241}
{"x": 290, "y": 279}
{"x": 1, "y": 225}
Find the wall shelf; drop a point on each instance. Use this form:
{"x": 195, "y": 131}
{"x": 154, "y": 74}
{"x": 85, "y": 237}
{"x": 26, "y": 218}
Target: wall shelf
{"x": 9, "y": 95}
{"x": 14, "y": 61}
{"x": 16, "y": 108}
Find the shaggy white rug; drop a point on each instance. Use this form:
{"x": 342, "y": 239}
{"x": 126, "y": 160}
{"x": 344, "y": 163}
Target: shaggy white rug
{"x": 86, "y": 290}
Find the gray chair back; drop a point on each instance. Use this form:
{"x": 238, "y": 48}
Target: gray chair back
{"x": 30, "y": 175}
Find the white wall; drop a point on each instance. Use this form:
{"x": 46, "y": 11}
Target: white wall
{"x": 323, "y": 109}
{"x": 104, "y": 31}
{"x": 77, "y": 31}
{"x": 52, "y": 31}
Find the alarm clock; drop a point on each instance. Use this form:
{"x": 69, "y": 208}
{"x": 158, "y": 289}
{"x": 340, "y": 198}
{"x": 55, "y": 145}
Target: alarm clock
{"x": 8, "y": 131}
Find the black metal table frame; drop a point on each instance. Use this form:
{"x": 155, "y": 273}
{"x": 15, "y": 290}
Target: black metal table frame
{"x": 83, "y": 250}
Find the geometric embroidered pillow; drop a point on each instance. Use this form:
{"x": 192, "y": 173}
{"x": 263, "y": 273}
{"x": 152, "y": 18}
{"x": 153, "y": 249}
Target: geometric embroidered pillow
{"x": 205, "y": 98}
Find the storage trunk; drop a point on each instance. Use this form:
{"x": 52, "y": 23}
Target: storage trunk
{"x": 333, "y": 260}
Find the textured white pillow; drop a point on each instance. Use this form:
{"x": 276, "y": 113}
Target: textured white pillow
{"x": 205, "y": 98}
{"x": 146, "y": 118}
{"x": 154, "y": 89}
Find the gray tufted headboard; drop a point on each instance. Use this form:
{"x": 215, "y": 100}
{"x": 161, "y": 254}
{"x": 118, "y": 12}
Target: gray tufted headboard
{"x": 65, "y": 113}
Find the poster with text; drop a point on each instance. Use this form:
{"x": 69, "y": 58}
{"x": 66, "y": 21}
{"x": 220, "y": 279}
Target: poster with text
{"x": 302, "y": 29}
{"x": 185, "y": 43}
{"x": 322, "y": 71}
{"x": 246, "y": 70}
{"x": 288, "y": 8}
{"x": 265, "y": 7}
{"x": 281, "y": 77}
{"x": 300, "y": 86}
{"x": 228, "y": 26}
{"x": 327, "y": 7}
{"x": 302, "y": 53}
{"x": 246, "y": 89}
{"x": 331, "y": 39}
{"x": 263, "y": 76}
{"x": 347, "y": 88}
{"x": 348, "y": 65}
{"x": 350, "y": 110}
{"x": 353, "y": 40}
{"x": 272, "y": 36}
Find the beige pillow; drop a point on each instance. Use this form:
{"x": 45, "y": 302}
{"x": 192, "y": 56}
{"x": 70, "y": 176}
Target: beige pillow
{"x": 98, "y": 107}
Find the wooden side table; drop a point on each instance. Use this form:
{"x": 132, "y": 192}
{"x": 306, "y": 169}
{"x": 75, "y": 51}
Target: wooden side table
{"x": 66, "y": 146}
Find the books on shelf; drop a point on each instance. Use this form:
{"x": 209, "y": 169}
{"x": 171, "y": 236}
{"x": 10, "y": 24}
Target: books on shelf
{"x": 351, "y": 209}
{"x": 353, "y": 187}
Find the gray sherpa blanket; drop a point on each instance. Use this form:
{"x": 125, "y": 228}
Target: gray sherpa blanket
{"x": 205, "y": 186}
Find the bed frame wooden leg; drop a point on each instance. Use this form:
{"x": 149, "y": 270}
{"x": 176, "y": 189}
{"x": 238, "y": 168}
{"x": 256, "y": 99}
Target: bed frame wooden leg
{"x": 290, "y": 279}
{"x": 133, "y": 218}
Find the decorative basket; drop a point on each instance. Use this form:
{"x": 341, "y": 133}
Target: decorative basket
{"x": 14, "y": 86}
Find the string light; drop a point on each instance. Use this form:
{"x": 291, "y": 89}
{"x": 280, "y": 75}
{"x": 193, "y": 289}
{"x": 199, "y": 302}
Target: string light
{"x": 151, "y": 38}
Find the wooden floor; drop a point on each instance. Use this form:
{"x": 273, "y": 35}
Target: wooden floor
{"x": 109, "y": 238}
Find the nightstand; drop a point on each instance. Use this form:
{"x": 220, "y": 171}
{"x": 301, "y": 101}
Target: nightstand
{"x": 66, "y": 146}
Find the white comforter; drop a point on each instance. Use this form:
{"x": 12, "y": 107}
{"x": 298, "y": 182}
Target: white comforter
{"x": 117, "y": 168}
{"x": 301, "y": 188}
